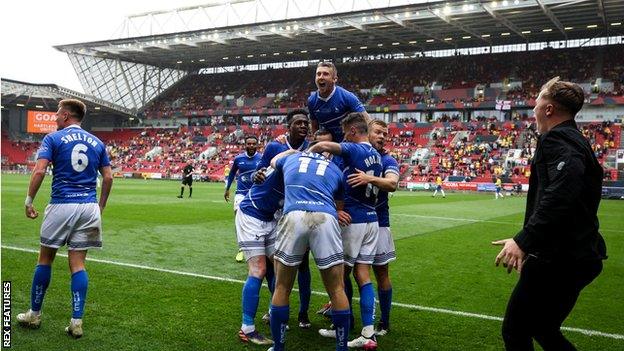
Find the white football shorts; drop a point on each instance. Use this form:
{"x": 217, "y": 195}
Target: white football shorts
{"x": 319, "y": 231}
{"x": 79, "y": 226}
{"x": 360, "y": 242}
{"x": 255, "y": 237}
{"x": 385, "y": 247}
{"x": 237, "y": 200}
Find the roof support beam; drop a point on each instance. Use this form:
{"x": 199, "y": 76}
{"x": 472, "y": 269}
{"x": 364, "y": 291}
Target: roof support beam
{"x": 602, "y": 13}
{"x": 337, "y": 37}
{"x": 370, "y": 30}
{"x": 459, "y": 26}
{"x": 502, "y": 20}
{"x": 416, "y": 29}
{"x": 552, "y": 17}
{"x": 248, "y": 37}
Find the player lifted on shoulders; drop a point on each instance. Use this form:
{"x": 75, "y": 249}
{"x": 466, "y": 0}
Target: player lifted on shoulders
{"x": 385, "y": 253}
{"x": 360, "y": 237}
{"x": 331, "y": 103}
{"x": 73, "y": 216}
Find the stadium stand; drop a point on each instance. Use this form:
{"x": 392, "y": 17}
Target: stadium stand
{"x": 460, "y": 151}
{"x": 476, "y": 78}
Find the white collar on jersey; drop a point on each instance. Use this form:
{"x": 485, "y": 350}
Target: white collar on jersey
{"x": 73, "y": 126}
{"x": 329, "y": 97}
{"x": 300, "y": 148}
{"x": 252, "y": 156}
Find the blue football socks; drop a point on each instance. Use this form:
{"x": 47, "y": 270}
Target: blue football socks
{"x": 41, "y": 281}
{"x": 367, "y": 304}
{"x": 251, "y": 298}
{"x": 385, "y": 304}
{"x": 279, "y": 321}
{"x": 79, "y": 284}
{"x": 341, "y": 320}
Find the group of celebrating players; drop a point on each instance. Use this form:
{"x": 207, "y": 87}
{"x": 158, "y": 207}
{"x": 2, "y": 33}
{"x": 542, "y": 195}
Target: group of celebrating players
{"x": 328, "y": 196}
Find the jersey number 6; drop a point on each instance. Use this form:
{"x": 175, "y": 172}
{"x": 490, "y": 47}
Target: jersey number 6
{"x": 79, "y": 159}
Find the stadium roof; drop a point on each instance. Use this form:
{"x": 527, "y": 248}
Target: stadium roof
{"x": 159, "y": 48}
{"x": 46, "y": 97}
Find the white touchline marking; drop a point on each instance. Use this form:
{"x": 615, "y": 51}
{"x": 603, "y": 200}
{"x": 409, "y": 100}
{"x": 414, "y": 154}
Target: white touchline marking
{"x": 452, "y": 219}
{"x": 482, "y": 221}
{"x": 587, "y": 332}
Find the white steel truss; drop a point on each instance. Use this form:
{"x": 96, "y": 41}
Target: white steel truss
{"x": 219, "y": 14}
{"x": 127, "y": 84}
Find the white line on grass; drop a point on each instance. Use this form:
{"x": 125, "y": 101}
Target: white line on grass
{"x": 481, "y": 221}
{"x": 587, "y": 332}
{"x": 452, "y": 219}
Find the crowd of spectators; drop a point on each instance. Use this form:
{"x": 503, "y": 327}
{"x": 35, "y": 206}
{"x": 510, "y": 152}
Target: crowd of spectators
{"x": 472, "y": 151}
{"x": 601, "y": 137}
{"x": 406, "y": 81}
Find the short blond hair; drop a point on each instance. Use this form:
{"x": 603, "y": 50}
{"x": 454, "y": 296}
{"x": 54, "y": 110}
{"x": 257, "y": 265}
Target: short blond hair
{"x": 378, "y": 122}
{"x": 329, "y": 65}
{"x": 357, "y": 120}
{"x": 75, "y": 107}
{"x": 567, "y": 95}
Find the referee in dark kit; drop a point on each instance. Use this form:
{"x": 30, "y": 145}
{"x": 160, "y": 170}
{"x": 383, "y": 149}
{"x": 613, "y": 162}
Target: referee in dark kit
{"x": 559, "y": 250}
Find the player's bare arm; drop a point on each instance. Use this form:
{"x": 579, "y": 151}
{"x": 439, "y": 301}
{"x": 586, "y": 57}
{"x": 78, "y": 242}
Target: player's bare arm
{"x": 107, "y": 184}
{"x": 282, "y": 154}
{"x": 326, "y": 146}
{"x": 36, "y": 179}
{"x": 344, "y": 218}
{"x": 388, "y": 183}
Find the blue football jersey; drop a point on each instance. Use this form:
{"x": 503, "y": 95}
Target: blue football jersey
{"x": 77, "y": 155}
{"x": 390, "y": 165}
{"x": 244, "y": 166}
{"x": 337, "y": 159}
{"x": 330, "y": 112}
{"x": 274, "y": 148}
{"x": 311, "y": 183}
{"x": 360, "y": 201}
{"x": 264, "y": 199}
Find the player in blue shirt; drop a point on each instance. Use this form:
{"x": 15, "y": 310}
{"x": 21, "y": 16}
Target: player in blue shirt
{"x": 243, "y": 167}
{"x": 298, "y": 127}
{"x": 312, "y": 184}
{"x": 325, "y": 135}
{"x": 255, "y": 231}
{"x": 73, "y": 216}
{"x": 331, "y": 103}
{"x": 385, "y": 253}
{"x": 360, "y": 237}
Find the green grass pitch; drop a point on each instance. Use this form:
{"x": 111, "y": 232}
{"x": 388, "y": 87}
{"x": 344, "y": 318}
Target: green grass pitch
{"x": 445, "y": 265}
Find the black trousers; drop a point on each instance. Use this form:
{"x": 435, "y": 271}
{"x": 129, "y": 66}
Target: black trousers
{"x": 543, "y": 298}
